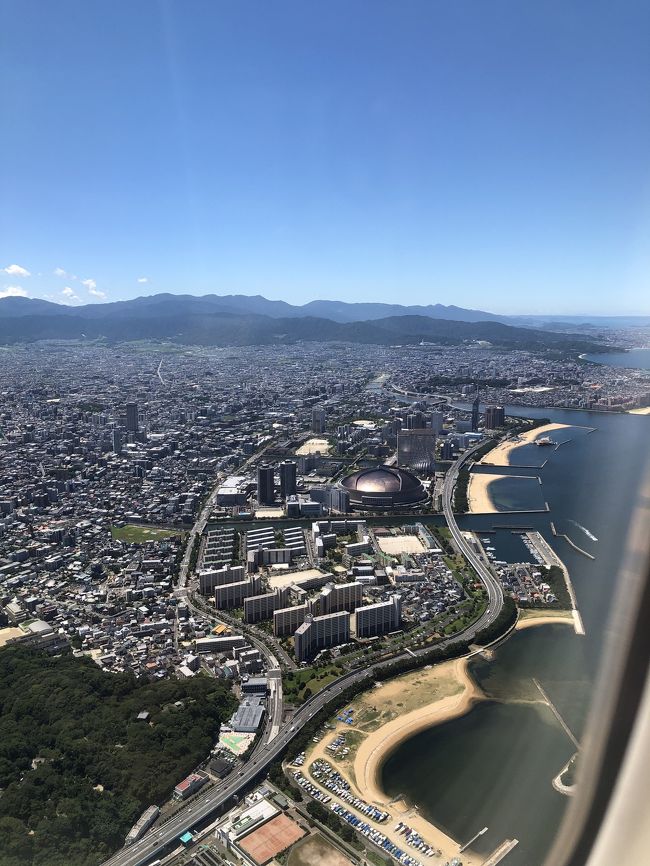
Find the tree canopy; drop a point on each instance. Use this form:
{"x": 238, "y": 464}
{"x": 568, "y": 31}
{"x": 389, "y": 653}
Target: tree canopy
{"x": 77, "y": 767}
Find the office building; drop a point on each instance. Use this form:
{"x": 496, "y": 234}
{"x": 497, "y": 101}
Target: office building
{"x": 287, "y": 479}
{"x": 495, "y": 417}
{"x": 318, "y": 418}
{"x": 320, "y": 632}
{"x": 414, "y": 421}
{"x": 287, "y": 619}
{"x": 132, "y": 417}
{"x": 117, "y": 441}
{"x": 475, "y": 411}
{"x": 448, "y": 449}
{"x": 377, "y": 619}
{"x": 265, "y": 485}
{"x": 416, "y": 449}
{"x": 437, "y": 421}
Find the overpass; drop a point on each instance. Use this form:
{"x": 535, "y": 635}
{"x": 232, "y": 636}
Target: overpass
{"x": 492, "y": 586}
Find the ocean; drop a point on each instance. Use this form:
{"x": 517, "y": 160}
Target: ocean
{"x": 494, "y": 766}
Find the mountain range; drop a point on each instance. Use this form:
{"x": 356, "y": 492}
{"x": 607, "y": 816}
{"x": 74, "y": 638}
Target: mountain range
{"x": 255, "y": 320}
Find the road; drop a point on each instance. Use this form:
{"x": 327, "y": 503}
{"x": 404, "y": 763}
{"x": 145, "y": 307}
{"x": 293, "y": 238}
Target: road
{"x": 495, "y": 596}
{"x": 277, "y": 735}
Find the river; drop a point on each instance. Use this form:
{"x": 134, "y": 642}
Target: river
{"x": 494, "y": 766}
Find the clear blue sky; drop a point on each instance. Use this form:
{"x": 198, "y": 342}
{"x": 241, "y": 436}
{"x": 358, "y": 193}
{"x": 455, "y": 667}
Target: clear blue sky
{"x": 493, "y": 154}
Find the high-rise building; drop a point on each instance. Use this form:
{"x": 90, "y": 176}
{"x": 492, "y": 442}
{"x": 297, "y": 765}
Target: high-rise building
{"x": 380, "y": 618}
{"x": 265, "y": 485}
{"x": 287, "y": 478}
{"x": 287, "y": 619}
{"x": 475, "y": 411}
{"x": 416, "y": 449}
{"x": 495, "y": 417}
{"x": 209, "y": 578}
{"x": 437, "y": 421}
{"x": 320, "y": 632}
{"x": 117, "y": 441}
{"x": 414, "y": 421}
{"x": 233, "y": 594}
{"x": 260, "y": 607}
{"x": 132, "y": 417}
{"x": 318, "y": 418}
{"x": 340, "y": 596}
{"x": 448, "y": 449}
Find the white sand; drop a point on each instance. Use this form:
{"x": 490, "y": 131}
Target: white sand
{"x": 402, "y": 698}
{"x": 478, "y": 495}
{"x": 500, "y": 456}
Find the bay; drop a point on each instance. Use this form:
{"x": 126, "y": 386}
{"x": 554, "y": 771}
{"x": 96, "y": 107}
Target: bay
{"x": 635, "y": 359}
{"x": 494, "y": 766}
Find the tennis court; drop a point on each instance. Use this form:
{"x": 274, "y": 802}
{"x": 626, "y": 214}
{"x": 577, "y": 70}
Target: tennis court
{"x": 271, "y": 838}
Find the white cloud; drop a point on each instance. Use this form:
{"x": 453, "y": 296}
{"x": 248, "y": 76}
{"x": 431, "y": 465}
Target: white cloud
{"x": 16, "y": 271}
{"x": 13, "y": 292}
{"x": 59, "y": 272}
{"x": 91, "y": 285}
{"x": 143, "y": 279}
{"x": 70, "y": 295}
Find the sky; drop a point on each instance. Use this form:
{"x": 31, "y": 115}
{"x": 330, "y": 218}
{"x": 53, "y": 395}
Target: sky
{"x": 493, "y": 155}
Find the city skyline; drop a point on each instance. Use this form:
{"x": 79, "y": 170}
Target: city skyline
{"x": 482, "y": 157}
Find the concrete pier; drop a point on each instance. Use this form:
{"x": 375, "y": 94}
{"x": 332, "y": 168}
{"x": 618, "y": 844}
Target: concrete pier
{"x": 502, "y": 851}
{"x": 556, "y": 713}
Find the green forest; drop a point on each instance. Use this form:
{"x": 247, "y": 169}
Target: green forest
{"x": 77, "y": 767}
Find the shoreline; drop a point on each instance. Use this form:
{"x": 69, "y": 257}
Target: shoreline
{"x": 363, "y": 769}
{"x": 500, "y": 456}
{"x": 644, "y": 410}
{"x": 534, "y": 616}
{"x": 479, "y": 500}
{"x": 379, "y": 745}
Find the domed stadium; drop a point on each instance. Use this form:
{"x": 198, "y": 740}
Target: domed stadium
{"x": 384, "y": 488}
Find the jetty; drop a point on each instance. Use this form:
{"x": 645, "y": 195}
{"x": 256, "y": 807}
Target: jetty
{"x": 557, "y": 714}
{"x": 502, "y": 851}
{"x": 550, "y": 557}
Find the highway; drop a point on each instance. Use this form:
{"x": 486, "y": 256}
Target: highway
{"x": 277, "y": 735}
{"x": 495, "y": 596}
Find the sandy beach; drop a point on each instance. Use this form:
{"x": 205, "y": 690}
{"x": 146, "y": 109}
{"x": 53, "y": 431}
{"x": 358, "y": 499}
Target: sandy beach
{"x": 644, "y": 411}
{"x": 500, "y": 456}
{"x": 529, "y": 618}
{"x": 479, "y": 500}
{"x": 384, "y": 718}
{"x": 393, "y": 712}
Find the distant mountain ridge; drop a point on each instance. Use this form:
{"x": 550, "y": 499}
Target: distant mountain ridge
{"x": 336, "y": 311}
{"x": 233, "y": 321}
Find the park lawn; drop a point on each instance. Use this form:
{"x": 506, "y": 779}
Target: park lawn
{"x": 134, "y": 533}
{"x": 314, "y": 679}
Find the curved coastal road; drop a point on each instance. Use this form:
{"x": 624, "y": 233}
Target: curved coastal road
{"x": 495, "y": 596}
{"x": 216, "y": 798}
